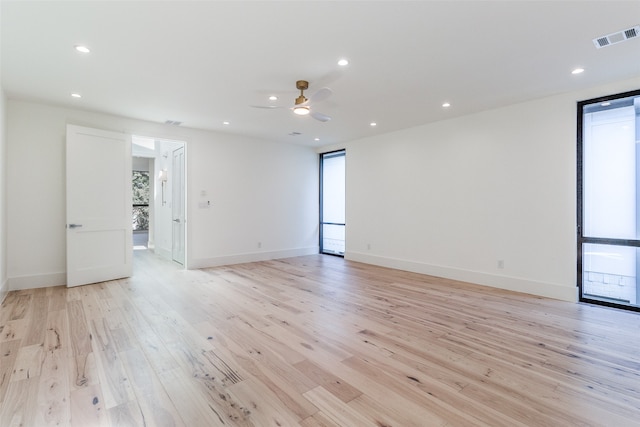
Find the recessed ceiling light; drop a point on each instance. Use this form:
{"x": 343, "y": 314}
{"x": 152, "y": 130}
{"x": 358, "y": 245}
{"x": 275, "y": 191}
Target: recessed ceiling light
{"x": 446, "y": 105}
{"x": 605, "y": 104}
{"x": 76, "y": 95}
{"x": 343, "y": 62}
{"x": 82, "y": 49}
{"x": 225, "y": 122}
{"x": 372, "y": 124}
{"x": 316, "y": 139}
{"x": 273, "y": 98}
{"x": 578, "y": 71}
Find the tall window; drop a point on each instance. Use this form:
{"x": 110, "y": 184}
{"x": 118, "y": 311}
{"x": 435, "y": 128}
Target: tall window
{"x": 609, "y": 200}
{"x": 332, "y": 203}
{"x": 140, "y": 181}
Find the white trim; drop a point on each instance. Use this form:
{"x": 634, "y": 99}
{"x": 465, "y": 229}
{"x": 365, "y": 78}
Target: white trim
{"x": 37, "y": 281}
{"x": 250, "y": 257}
{"x": 4, "y": 290}
{"x": 162, "y": 253}
{"x": 548, "y": 290}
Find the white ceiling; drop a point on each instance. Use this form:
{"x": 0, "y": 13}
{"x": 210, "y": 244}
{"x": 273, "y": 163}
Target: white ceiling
{"x": 205, "y": 62}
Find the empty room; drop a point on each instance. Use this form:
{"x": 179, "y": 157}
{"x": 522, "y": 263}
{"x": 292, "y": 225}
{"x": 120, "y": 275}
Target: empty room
{"x": 319, "y": 213}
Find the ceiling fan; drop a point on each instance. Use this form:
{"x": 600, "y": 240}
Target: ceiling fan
{"x": 302, "y": 105}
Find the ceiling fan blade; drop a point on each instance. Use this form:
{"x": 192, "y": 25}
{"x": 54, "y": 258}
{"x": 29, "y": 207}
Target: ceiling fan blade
{"x": 267, "y": 107}
{"x": 321, "y": 95}
{"x": 320, "y": 117}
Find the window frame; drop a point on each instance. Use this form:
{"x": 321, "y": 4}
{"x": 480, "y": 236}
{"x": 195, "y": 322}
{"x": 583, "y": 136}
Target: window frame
{"x": 334, "y": 153}
{"x": 581, "y": 239}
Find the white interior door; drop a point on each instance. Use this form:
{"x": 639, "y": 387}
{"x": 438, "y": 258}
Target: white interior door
{"x": 99, "y": 235}
{"x": 178, "y": 206}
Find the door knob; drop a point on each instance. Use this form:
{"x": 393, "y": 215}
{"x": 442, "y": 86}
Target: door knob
{"x": 75, "y": 225}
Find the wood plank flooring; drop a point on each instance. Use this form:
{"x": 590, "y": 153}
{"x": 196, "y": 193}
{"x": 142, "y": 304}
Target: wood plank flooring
{"x": 311, "y": 341}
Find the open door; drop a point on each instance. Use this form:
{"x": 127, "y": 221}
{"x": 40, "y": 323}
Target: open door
{"x": 99, "y": 243}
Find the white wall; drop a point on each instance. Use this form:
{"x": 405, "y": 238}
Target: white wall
{"x": 259, "y": 191}
{"x": 455, "y": 197}
{"x": 4, "y": 284}
{"x": 450, "y": 198}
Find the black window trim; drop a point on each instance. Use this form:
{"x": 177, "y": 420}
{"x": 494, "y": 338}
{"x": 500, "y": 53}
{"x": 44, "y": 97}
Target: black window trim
{"x": 581, "y": 239}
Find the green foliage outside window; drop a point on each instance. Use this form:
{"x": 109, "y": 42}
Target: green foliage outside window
{"x": 141, "y": 193}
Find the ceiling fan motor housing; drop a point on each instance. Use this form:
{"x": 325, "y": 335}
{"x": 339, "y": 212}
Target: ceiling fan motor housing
{"x": 301, "y": 85}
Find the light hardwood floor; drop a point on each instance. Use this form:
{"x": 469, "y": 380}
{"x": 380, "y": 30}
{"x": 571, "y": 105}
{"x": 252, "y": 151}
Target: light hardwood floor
{"x": 311, "y": 341}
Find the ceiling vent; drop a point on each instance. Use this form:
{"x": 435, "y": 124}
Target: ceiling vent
{"x": 172, "y": 122}
{"x": 618, "y": 37}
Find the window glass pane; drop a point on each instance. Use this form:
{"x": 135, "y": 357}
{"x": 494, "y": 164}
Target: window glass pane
{"x": 140, "y": 218}
{"x": 333, "y": 239}
{"x": 140, "y": 198}
{"x": 333, "y": 183}
{"x": 609, "y": 188}
{"x": 609, "y": 273}
{"x": 140, "y": 181}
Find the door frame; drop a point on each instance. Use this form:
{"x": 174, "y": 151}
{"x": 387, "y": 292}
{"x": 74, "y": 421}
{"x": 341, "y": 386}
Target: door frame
{"x": 163, "y": 160}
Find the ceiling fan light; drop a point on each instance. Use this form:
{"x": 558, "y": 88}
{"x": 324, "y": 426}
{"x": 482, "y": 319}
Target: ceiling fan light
{"x": 301, "y": 111}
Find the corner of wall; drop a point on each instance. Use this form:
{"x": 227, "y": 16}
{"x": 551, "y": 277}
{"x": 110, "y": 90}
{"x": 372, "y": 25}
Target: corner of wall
{"x": 4, "y": 284}
{"x": 4, "y": 290}
{"x": 250, "y": 257}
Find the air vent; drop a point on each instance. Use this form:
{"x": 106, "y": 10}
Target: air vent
{"x": 618, "y": 37}
{"x": 294, "y": 133}
{"x": 172, "y": 122}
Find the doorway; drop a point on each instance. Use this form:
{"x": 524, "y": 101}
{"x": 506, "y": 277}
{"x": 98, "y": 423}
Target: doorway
{"x": 141, "y": 203}
{"x": 167, "y": 195}
{"x": 609, "y": 200}
{"x": 332, "y": 203}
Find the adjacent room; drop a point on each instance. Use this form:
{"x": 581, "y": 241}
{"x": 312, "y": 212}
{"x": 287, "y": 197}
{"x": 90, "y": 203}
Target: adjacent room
{"x": 319, "y": 213}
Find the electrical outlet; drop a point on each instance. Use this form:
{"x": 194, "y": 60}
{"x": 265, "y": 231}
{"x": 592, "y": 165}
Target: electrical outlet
{"x": 259, "y": 245}
{"x": 500, "y": 264}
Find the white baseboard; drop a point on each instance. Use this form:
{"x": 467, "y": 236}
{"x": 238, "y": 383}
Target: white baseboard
{"x": 250, "y": 257}
{"x": 4, "y": 290}
{"x": 37, "y": 281}
{"x": 548, "y": 290}
{"x": 163, "y": 252}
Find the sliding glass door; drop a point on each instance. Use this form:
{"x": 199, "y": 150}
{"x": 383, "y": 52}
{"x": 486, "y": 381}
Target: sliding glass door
{"x": 608, "y": 200}
{"x": 332, "y": 203}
